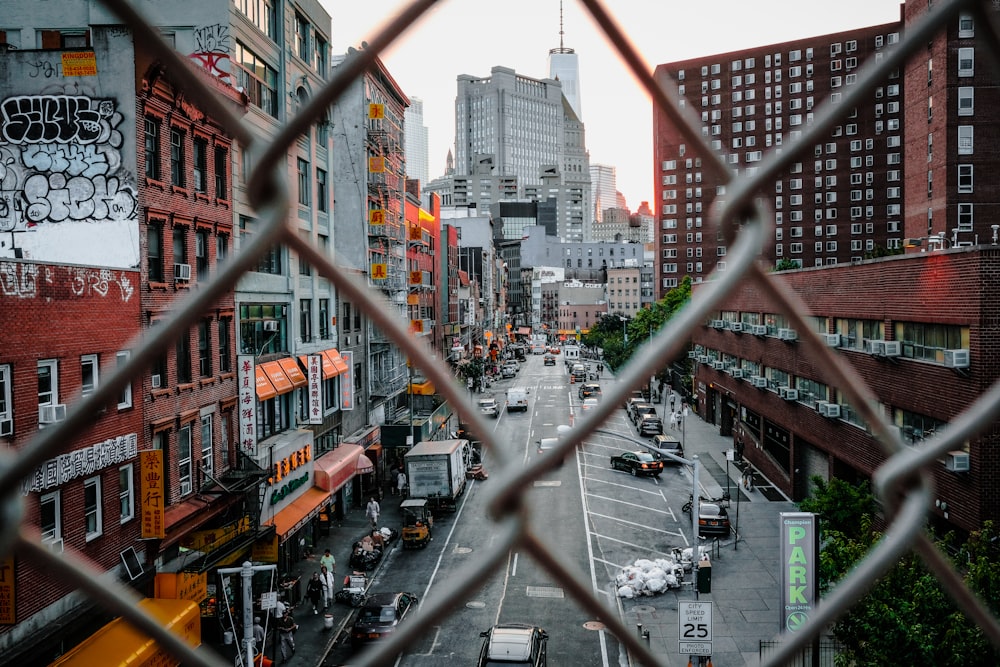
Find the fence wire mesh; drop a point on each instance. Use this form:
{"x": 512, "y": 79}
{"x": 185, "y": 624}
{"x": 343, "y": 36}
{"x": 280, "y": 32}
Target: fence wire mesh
{"x": 903, "y": 482}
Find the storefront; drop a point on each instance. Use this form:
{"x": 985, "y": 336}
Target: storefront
{"x": 333, "y": 472}
{"x": 118, "y": 643}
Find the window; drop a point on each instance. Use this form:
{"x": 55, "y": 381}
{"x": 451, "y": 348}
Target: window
{"x": 305, "y": 320}
{"x": 324, "y": 319}
{"x": 126, "y": 493}
{"x": 303, "y": 182}
{"x": 225, "y": 345}
{"x": 966, "y": 26}
{"x": 271, "y": 261}
{"x": 50, "y": 517}
{"x": 183, "y": 354}
{"x": 48, "y": 382}
{"x": 966, "y": 61}
{"x": 6, "y": 407}
{"x": 184, "y": 459}
{"x": 204, "y": 348}
{"x": 221, "y": 171}
{"x": 965, "y": 178}
{"x": 199, "y": 158}
{"x": 201, "y": 253}
{"x": 261, "y": 13}
{"x": 180, "y": 245}
{"x": 154, "y": 252}
{"x": 88, "y": 373}
{"x": 152, "y": 148}
{"x": 221, "y": 247}
{"x": 321, "y": 191}
{"x": 177, "y": 157}
{"x": 302, "y": 37}
{"x": 965, "y": 100}
{"x": 965, "y": 217}
{"x": 965, "y": 139}
{"x": 319, "y": 55}
{"x": 92, "y": 507}
{"x": 258, "y": 79}
{"x": 207, "y": 460}
{"x": 125, "y": 397}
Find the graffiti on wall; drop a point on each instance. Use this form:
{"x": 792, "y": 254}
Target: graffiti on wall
{"x": 60, "y": 161}
{"x": 24, "y": 280}
{"x": 212, "y": 51}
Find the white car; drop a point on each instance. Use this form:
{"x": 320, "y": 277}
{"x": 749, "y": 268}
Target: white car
{"x": 588, "y": 404}
{"x": 489, "y": 407}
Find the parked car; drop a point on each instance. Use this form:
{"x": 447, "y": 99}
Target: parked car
{"x": 545, "y": 444}
{"x": 380, "y": 615}
{"x": 514, "y": 644}
{"x": 713, "y": 520}
{"x": 637, "y": 463}
{"x": 489, "y": 407}
{"x": 634, "y": 395}
{"x": 509, "y": 370}
{"x": 650, "y": 425}
{"x": 578, "y": 372}
{"x": 670, "y": 444}
{"x": 588, "y": 390}
{"x": 640, "y": 410}
{"x": 588, "y": 404}
{"x": 630, "y": 403}
{"x": 549, "y": 360}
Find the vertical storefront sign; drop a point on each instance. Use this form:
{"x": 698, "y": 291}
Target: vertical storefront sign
{"x": 8, "y": 591}
{"x": 314, "y": 376}
{"x": 151, "y": 494}
{"x": 799, "y": 561}
{"x": 247, "y": 387}
{"x": 347, "y": 382}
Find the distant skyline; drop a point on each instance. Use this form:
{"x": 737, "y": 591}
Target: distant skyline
{"x": 470, "y": 37}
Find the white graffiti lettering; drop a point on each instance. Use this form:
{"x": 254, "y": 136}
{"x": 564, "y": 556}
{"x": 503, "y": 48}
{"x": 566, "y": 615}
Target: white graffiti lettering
{"x": 56, "y": 199}
{"x": 21, "y": 280}
{"x": 42, "y": 119}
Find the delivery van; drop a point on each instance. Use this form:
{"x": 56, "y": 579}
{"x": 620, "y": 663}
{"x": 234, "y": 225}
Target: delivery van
{"x": 517, "y": 399}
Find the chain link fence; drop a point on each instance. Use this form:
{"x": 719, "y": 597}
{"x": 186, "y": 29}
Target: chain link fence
{"x": 903, "y": 482}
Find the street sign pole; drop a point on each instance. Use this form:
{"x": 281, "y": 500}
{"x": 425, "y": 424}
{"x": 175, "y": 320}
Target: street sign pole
{"x": 694, "y": 627}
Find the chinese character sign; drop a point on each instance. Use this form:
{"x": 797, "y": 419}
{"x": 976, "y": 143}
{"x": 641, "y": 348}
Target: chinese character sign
{"x": 347, "y": 382}
{"x": 314, "y": 374}
{"x": 247, "y": 389}
{"x": 151, "y": 494}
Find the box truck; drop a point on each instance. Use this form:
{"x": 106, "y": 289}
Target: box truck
{"x": 435, "y": 470}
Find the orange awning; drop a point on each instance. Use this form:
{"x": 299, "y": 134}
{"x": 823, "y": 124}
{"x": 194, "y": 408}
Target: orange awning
{"x": 282, "y": 384}
{"x": 303, "y": 508}
{"x": 265, "y": 390}
{"x": 365, "y": 465}
{"x": 329, "y": 370}
{"x": 336, "y": 360}
{"x": 334, "y": 469}
{"x": 292, "y": 370}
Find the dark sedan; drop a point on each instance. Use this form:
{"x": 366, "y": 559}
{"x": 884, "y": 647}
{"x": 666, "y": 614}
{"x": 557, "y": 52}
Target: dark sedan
{"x": 380, "y": 615}
{"x": 637, "y": 463}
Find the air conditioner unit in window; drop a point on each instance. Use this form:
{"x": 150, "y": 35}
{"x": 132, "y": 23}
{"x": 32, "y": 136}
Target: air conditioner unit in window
{"x": 759, "y": 381}
{"x": 956, "y": 358}
{"x": 718, "y": 324}
{"x": 788, "y": 393}
{"x": 892, "y": 348}
{"x": 55, "y": 546}
{"x": 736, "y": 326}
{"x": 831, "y": 410}
{"x": 737, "y": 373}
{"x": 182, "y": 272}
{"x": 692, "y": 354}
{"x": 6, "y": 427}
{"x": 50, "y": 414}
{"x": 874, "y": 347}
{"x": 758, "y": 329}
{"x": 703, "y": 358}
{"x": 270, "y": 325}
{"x": 957, "y": 461}
{"x": 833, "y": 340}
{"x": 718, "y": 365}
{"x": 156, "y": 381}
{"x": 787, "y": 334}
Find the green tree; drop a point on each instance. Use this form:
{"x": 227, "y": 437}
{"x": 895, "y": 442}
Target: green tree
{"x": 786, "y": 264}
{"x": 906, "y": 618}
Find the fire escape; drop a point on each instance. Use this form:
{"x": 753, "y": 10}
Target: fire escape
{"x": 386, "y": 241}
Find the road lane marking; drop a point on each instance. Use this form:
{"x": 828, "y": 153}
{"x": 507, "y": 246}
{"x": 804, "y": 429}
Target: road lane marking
{"x": 623, "y": 486}
{"x": 644, "y": 526}
{"x": 624, "y": 502}
{"x": 590, "y": 556}
{"x": 513, "y": 567}
{"x": 633, "y": 545}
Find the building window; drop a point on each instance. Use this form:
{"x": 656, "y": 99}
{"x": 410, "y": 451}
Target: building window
{"x": 125, "y": 397}
{"x": 305, "y": 320}
{"x": 258, "y": 79}
{"x": 324, "y": 319}
{"x": 303, "y": 182}
{"x": 126, "y": 493}
{"x": 221, "y": 172}
{"x": 50, "y": 517}
{"x": 965, "y": 100}
{"x": 48, "y": 382}
{"x": 92, "y": 507}
{"x": 966, "y": 26}
{"x": 199, "y": 159}
{"x": 180, "y": 245}
{"x": 204, "y": 348}
{"x": 88, "y": 373}
{"x": 302, "y": 37}
{"x": 271, "y": 260}
{"x": 176, "y": 157}
{"x": 152, "y": 148}
{"x": 965, "y": 217}
{"x": 965, "y": 139}
{"x": 154, "y": 252}
{"x": 964, "y": 178}
{"x": 321, "y": 191}
{"x": 225, "y": 345}
{"x": 261, "y": 13}
{"x": 966, "y": 62}
{"x": 319, "y": 55}
{"x": 207, "y": 461}
{"x": 201, "y": 254}
{"x": 183, "y": 353}
{"x": 6, "y": 407}
{"x": 184, "y": 459}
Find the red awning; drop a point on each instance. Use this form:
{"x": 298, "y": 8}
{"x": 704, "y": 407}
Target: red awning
{"x": 329, "y": 370}
{"x": 365, "y": 465}
{"x": 336, "y": 360}
{"x": 336, "y": 468}
{"x": 282, "y": 385}
{"x": 294, "y": 373}
{"x": 265, "y": 390}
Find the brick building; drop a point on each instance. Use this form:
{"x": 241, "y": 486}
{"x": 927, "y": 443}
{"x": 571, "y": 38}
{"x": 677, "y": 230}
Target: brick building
{"x": 916, "y": 328}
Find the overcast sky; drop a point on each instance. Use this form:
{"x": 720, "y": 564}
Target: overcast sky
{"x": 473, "y": 36}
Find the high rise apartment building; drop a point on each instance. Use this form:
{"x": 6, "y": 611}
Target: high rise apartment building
{"x": 839, "y": 204}
{"x": 603, "y": 190}
{"x": 417, "y": 161}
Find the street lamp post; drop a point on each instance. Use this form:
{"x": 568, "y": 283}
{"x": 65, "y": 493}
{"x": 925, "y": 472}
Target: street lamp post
{"x": 624, "y": 328}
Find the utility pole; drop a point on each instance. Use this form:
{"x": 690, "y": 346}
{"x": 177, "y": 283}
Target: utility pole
{"x": 246, "y": 573}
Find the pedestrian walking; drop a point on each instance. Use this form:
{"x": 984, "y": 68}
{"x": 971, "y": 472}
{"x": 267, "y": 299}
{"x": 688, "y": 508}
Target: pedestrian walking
{"x": 372, "y": 512}
{"x": 314, "y": 591}
{"x": 673, "y": 419}
{"x": 286, "y": 630}
{"x": 326, "y": 580}
{"x": 673, "y": 399}
{"x": 401, "y": 482}
{"x": 328, "y": 561}
{"x": 258, "y": 634}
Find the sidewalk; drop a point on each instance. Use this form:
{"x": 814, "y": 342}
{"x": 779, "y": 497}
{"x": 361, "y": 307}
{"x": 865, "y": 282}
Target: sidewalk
{"x": 314, "y": 639}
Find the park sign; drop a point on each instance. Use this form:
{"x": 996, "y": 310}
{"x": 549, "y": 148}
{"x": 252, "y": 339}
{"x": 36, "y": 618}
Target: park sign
{"x": 799, "y": 568}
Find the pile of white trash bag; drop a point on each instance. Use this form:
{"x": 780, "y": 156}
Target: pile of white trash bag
{"x": 651, "y": 577}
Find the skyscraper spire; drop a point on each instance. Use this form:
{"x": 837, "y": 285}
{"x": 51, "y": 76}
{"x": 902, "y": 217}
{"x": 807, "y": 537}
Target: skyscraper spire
{"x": 564, "y": 67}
{"x": 560, "y": 26}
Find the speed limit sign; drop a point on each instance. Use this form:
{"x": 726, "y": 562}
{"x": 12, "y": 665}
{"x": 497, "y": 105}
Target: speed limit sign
{"x": 694, "y": 627}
